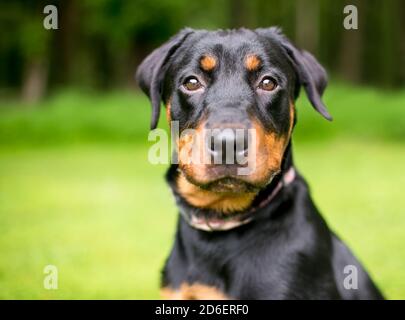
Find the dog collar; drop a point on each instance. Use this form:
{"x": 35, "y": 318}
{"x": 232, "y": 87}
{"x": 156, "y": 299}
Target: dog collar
{"x": 227, "y": 223}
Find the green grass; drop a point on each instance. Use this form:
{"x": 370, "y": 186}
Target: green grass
{"x": 77, "y": 191}
{"x": 72, "y": 117}
{"x": 358, "y": 187}
{"x": 104, "y": 216}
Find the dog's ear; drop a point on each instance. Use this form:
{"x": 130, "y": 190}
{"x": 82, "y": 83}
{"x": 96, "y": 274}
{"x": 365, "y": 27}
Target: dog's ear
{"x": 310, "y": 74}
{"x": 151, "y": 72}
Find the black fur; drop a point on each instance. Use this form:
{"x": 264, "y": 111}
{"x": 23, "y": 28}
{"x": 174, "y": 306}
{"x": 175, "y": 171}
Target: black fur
{"x": 287, "y": 251}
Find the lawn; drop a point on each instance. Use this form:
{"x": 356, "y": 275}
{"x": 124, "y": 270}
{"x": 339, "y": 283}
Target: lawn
{"x": 77, "y": 192}
{"x": 101, "y": 214}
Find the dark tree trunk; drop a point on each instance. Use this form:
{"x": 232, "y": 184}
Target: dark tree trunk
{"x": 307, "y": 30}
{"x": 65, "y": 40}
{"x": 238, "y": 13}
{"x": 401, "y": 61}
{"x": 34, "y": 81}
{"x": 351, "y": 49}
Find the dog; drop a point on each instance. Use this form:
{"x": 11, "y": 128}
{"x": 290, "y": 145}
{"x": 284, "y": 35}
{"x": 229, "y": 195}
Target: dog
{"x": 256, "y": 235}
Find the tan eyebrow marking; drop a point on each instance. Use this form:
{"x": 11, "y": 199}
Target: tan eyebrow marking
{"x": 208, "y": 62}
{"x": 252, "y": 62}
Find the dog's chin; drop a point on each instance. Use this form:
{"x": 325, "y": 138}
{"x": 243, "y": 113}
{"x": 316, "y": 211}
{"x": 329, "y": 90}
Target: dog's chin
{"x": 227, "y": 184}
{"x": 230, "y": 185}
{"x": 226, "y": 180}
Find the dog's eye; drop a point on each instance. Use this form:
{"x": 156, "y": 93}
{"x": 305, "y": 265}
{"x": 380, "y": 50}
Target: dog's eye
{"x": 268, "y": 84}
{"x": 192, "y": 84}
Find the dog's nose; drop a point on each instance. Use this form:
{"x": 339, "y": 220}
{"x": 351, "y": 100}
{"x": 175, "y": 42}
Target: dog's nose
{"x": 227, "y": 145}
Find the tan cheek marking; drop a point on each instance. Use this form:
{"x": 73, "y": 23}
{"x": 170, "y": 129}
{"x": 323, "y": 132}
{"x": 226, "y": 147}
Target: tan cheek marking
{"x": 191, "y": 151}
{"x": 193, "y": 194}
{"x": 252, "y": 62}
{"x": 168, "y": 110}
{"x": 208, "y": 63}
{"x": 225, "y": 203}
{"x": 195, "y": 291}
{"x": 270, "y": 148}
{"x": 276, "y": 146}
{"x": 292, "y": 115}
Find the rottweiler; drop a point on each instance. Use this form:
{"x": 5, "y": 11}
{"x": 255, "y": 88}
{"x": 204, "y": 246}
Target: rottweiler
{"x": 255, "y": 233}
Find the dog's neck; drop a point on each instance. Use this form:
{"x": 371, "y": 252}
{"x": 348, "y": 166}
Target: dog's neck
{"x": 229, "y": 211}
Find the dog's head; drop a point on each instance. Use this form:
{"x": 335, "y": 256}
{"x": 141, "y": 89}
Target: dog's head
{"x": 238, "y": 85}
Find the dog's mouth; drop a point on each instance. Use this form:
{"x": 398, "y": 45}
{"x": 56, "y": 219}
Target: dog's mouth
{"x": 226, "y": 179}
{"x": 229, "y": 185}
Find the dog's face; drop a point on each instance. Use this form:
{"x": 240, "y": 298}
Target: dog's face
{"x": 236, "y": 90}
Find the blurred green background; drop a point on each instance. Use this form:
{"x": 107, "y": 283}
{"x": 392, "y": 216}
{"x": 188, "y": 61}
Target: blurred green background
{"x": 77, "y": 190}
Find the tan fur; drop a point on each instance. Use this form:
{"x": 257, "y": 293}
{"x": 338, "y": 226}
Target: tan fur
{"x": 292, "y": 114}
{"x": 189, "y": 143}
{"x": 168, "y": 109}
{"x": 265, "y": 161}
{"x": 223, "y": 202}
{"x": 252, "y": 62}
{"x": 195, "y": 291}
{"x": 208, "y": 62}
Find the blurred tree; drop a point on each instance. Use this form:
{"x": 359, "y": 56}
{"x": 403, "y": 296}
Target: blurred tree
{"x": 10, "y": 50}
{"x": 307, "y": 27}
{"x": 122, "y": 32}
{"x": 350, "y": 52}
{"x": 34, "y": 42}
{"x": 65, "y": 41}
{"x": 279, "y": 13}
{"x": 23, "y": 32}
{"x": 330, "y": 31}
{"x": 100, "y": 42}
{"x": 390, "y": 26}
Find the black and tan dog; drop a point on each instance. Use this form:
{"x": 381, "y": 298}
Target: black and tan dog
{"x": 257, "y": 235}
